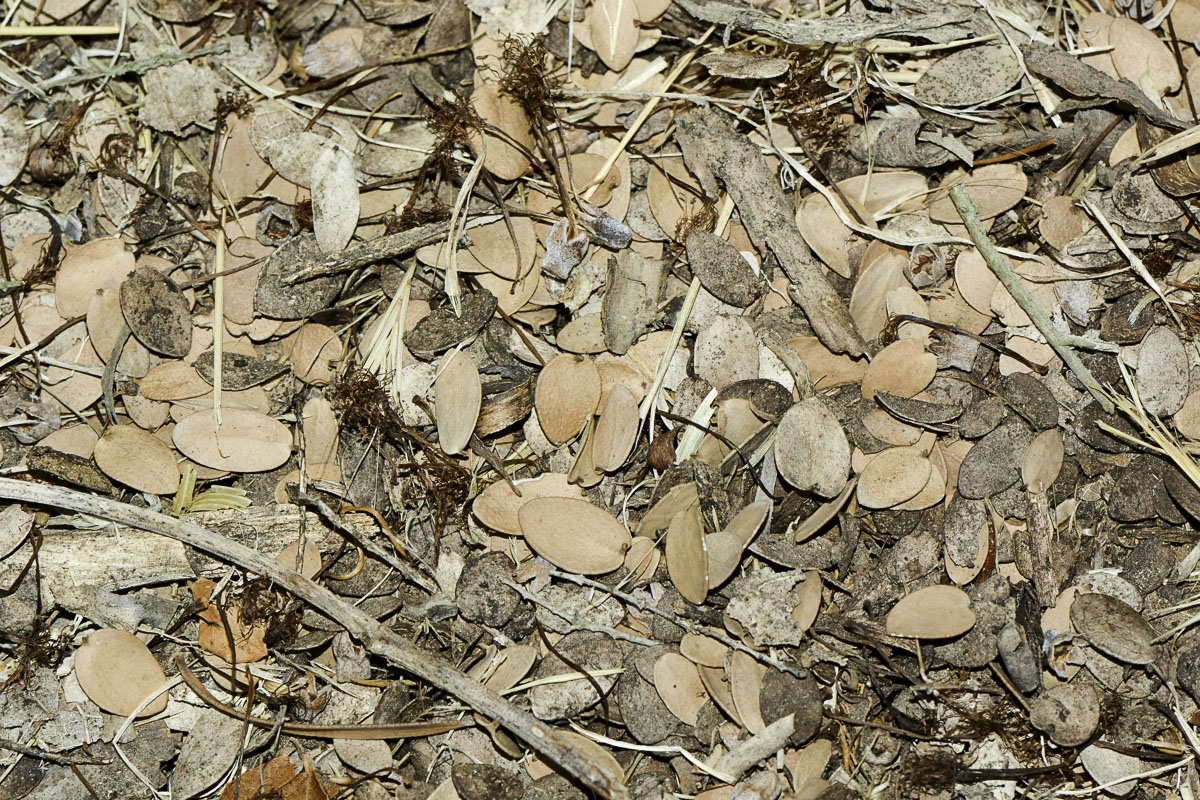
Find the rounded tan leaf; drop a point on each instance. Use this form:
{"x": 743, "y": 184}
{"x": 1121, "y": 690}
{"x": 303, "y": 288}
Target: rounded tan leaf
{"x": 703, "y": 650}
{"x": 808, "y": 596}
{"x": 893, "y": 476}
{"x": 687, "y": 561}
{"x": 78, "y": 440}
{"x": 1139, "y": 55}
{"x": 306, "y": 566}
{"x": 458, "y": 396}
{"x": 745, "y": 684}
{"x": 497, "y": 506}
{"x": 574, "y": 535}
{"x": 881, "y": 271}
{"x": 975, "y": 281}
{"x": 827, "y": 369}
{"x": 995, "y": 188}
{"x": 1187, "y": 418}
{"x": 314, "y": 351}
{"x": 903, "y": 368}
{"x": 678, "y": 498}
{"x": 935, "y": 612}
{"x": 932, "y": 493}
{"x": 824, "y": 231}
{"x": 568, "y": 391}
{"x": 117, "y": 672}
{"x": 246, "y": 442}
{"x": 584, "y": 334}
{"x": 614, "y": 33}
{"x": 879, "y": 192}
{"x": 642, "y": 559}
{"x": 99, "y": 264}
{"x": 504, "y": 112}
{"x": 1042, "y": 461}
{"x": 320, "y": 428}
{"x": 678, "y": 683}
{"x": 138, "y": 459}
{"x": 725, "y": 548}
{"x": 811, "y": 450}
{"x": 886, "y": 428}
{"x": 616, "y": 430}
{"x": 173, "y": 380}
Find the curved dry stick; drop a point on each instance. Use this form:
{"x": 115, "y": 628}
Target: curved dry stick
{"x": 374, "y": 635}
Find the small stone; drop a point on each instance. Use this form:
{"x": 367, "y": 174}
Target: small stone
{"x": 1068, "y": 714}
{"x": 481, "y": 594}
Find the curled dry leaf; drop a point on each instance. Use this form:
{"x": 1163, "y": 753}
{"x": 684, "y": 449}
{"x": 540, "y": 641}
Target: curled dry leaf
{"x": 687, "y": 559}
{"x": 1042, "y": 461}
{"x": 568, "y": 391}
{"x": 725, "y": 548}
{"x": 117, "y": 672}
{"x": 678, "y": 683}
{"x": 246, "y": 441}
{"x": 504, "y": 160}
{"x": 642, "y": 559}
{"x": 574, "y": 535}
{"x": 173, "y": 380}
{"x": 935, "y": 612}
{"x": 995, "y": 188}
{"x": 703, "y": 650}
{"x": 616, "y": 430}
{"x": 138, "y": 459}
{"x": 458, "y": 395}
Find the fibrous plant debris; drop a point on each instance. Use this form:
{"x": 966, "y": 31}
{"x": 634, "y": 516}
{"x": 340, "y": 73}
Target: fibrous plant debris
{"x": 604, "y": 398}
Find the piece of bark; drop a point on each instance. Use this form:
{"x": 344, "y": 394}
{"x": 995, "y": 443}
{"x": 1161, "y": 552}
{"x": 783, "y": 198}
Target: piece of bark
{"x": 935, "y": 26}
{"x": 714, "y": 152}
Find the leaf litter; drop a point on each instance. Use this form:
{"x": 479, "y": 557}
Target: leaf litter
{"x": 657, "y": 398}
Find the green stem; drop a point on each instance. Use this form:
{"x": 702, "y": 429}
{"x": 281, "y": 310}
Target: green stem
{"x": 1040, "y": 319}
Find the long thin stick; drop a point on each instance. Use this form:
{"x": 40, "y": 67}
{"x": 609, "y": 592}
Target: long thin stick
{"x": 374, "y": 635}
{"x": 1040, "y": 319}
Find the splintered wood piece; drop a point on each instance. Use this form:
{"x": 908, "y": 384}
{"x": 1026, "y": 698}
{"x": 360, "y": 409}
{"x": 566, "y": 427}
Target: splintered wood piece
{"x": 497, "y": 506}
{"x": 903, "y": 368}
{"x": 678, "y": 683}
{"x": 458, "y": 396}
{"x": 687, "y": 560}
{"x": 246, "y": 441}
{"x": 568, "y": 391}
{"x": 616, "y": 430}
{"x": 935, "y": 612}
{"x": 574, "y": 535}
{"x": 138, "y": 459}
{"x": 117, "y": 672}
